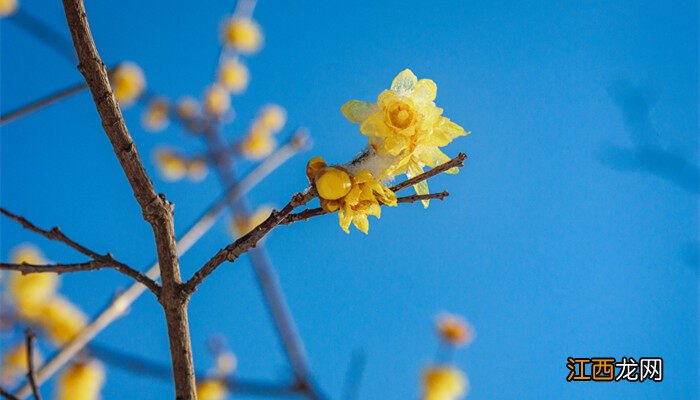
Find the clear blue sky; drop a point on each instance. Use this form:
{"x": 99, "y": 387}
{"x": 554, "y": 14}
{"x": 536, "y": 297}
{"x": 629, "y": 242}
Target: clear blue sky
{"x": 572, "y": 230}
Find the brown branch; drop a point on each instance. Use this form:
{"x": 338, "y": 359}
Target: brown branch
{"x": 156, "y": 210}
{"x": 31, "y": 377}
{"x": 7, "y": 395}
{"x": 455, "y": 162}
{"x": 315, "y": 212}
{"x": 99, "y": 260}
{"x": 246, "y": 242}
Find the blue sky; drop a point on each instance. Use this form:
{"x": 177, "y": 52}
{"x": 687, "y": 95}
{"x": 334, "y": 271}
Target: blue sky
{"x": 572, "y": 230}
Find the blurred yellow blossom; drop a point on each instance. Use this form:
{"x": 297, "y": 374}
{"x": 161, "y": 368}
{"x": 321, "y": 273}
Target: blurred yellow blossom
{"x": 171, "y": 166}
{"x": 7, "y": 7}
{"x": 81, "y": 381}
{"x": 260, "y": 142}
{"x": 128, "y": 82}
{"x": 217, "y": 100}
{"x": 187, "y": 108}
{"x": 240, "y": 225}
{"x": 156, "y": 115}
{"x": 233, "y": 75}
{"x": 29, "y": 292}
{"x": 14, "y": 362}
{"x": 257, "y": 146}
{"x": 197, "y": 169}
{"x": 61, "y": 319}
{"x": 272, "y": 118}
{"x": 226, "y": 363}
{"x": 406, "y": 125}
{"x": 454, "y": 330}
{"x": 354, "y": 195}
{"x": 212, "y": 389}
{"x": 242, "y": 34}
{"x": 444, "y": 383}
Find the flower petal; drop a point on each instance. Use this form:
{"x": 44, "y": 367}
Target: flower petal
{"x": 404, "y": 83}
{"x": 357, "y": 111}
{"x": 425, "y": 91}
{"x": 361, "y": 222}
{"x": 422, "y": 187}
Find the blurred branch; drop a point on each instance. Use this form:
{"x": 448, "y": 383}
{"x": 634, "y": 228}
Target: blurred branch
{"x": 42, "y": 102}
{"x": 44, "y": 33}
{"x": 353, "y": 376}
{"x": 121, "y": 302}
{"x": 7, "y": 395}
{"x": 99, "y": 261}
{"x": 31, "y": 377}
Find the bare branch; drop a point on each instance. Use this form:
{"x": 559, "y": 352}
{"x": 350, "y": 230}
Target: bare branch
{"x": 42, "y": 102}
{"x": 455, "y": 162}
{"x": 99, "y": 261}
{"x": 7, "y": 395}
{"x": 31, "y": 377}
{"x": 121, "y": 302}
{"x": 44, "y": 33}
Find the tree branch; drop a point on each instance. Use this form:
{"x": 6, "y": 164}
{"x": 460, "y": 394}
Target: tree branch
{"x": 455, "y": 162}
{"x": 31, "y": 377}
{"x": 99, "y": 261}
{"x": 42, "y": 102}
{"x": 7, "y": 395}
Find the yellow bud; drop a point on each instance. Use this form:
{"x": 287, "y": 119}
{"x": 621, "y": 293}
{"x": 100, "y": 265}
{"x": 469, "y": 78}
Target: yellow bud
{"x": 454, "y": 330}
{"x": 226, "y": 363}
{"x": 330, "y": 205}
{"x": 29, "y": 292}
{"x": 242, "y": 34}
{"x": 61, "y": 319}
{"x": 155, "y": 116}
{"x": 14, "y": 361}
{"x": 313, "y": 166}
{"x": 272, "y": 118}
{"x": 333, "y": 183}
{"x": 81, "y": 381}
{"x": 444, "y": 382}
{"x": 128, "y": 82}
{"x": 187, "y": 108}
{"x": 171, "y": 166}
{"x": 234, "y": 76}
{"x": 212, "y": 389}
{"x": 7, "y": 7}
{"x": 257, "y": 146}
{"x": 217, "y": 100}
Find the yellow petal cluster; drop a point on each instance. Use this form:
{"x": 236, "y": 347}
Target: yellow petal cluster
{"x": 406, "y": 124}
{"x": 29, "y": 292}
{"x": 14, "y": 362}
{"x": 7, "y": 7}
{"x": 156, "y": 115}
{"x": 217, "y": 100}
{"x": 81, "y": 381}
{"x": 188, "y": 108}
{"x": 242, "y": 34}
{"x": 128, "y": 82}
{"x": 60, "y": 319}
{"x": 354, "y": 196}
{"x": 260, "y": 142}
{"x": 240, "y": 225}
{"x": 234, "y": 76}
{"x": 172, "y": 166}
{"x": 454, "y": 330}
{"x": 444, "y": 383}
{"x": 212, "y": 389}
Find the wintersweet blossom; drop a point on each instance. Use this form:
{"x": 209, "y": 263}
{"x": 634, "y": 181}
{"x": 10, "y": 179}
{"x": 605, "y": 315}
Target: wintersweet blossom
{"x": 171, "y": 166}
{"x": 240, "y": 225}
{"x": 353, "y": 194}
{"x": 7, "y": 7}
{"x": 155, "y": 116}
{"x": 188, "y": 108}
{"x": 61, "y": 319}
{"x": 29, "y": 292}
{"x": 128, "y": 82}
{"x": 212, "y": 389}
{"x": 234, "y": 76}
{"x": 444, "y": 383}
{"x": 217, "y": 100}
{"x": 260, "y": 141}
{"x": 406, "y": 127}
{"x": 454, "y": 330}
{"x": 242, "y": 34}
{"x": 14, "y": 362}
{"x": 81, "y": 381}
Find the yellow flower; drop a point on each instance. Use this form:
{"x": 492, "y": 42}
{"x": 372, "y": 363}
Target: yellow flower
{"x": 197, "y": 169}
{"x": 212, "y": 389}
{"x": 242, "y": 34}
{"x": 29, "y": 292}
{"x": 81, "y": 381}
{"x": 128, "y": 82}
{"x": 187, "y": 108}
{"x": 454, "y": 330}
{"x": 233, "y": 75}
{"x": 226, "y": 362}
{"x": 406, "y": 124}
{"x": 14, "y": 362}
{"x": 7, "y": 7}
{"x": 155, "y": 116}
{"x": 217, "y": 100}
{"x": 257, "y": 145}
{"x": 444, "y": 383}
{"x": 353, "y": 195}
{"x": 61, "y": 319}
{"x": 272, "y": 118}
{"x": 171, "y": 165}
{"x": 240, "y": 225}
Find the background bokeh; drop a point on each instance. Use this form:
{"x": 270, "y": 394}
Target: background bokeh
{"x": 572, "y": 230}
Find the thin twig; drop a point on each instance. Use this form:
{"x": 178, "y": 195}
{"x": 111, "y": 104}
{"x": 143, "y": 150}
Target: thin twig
{"x": 353, "y": 376}
{"x": 99, "y": 261}
{"x": 120, "y": 303}
{"x": 7, "y": 395}
{"x": 42, "y": 102}
{"x": 455, "y": 162}
{"x": 44, "y": 33}
{"x": 31, "y": 377}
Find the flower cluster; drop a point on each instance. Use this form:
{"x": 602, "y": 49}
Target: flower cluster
{"x": 259, "y": 142}
{"x": 173, "y": 166}
{"x": 441, "y": 380}
{"x": 354, "y": 194}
